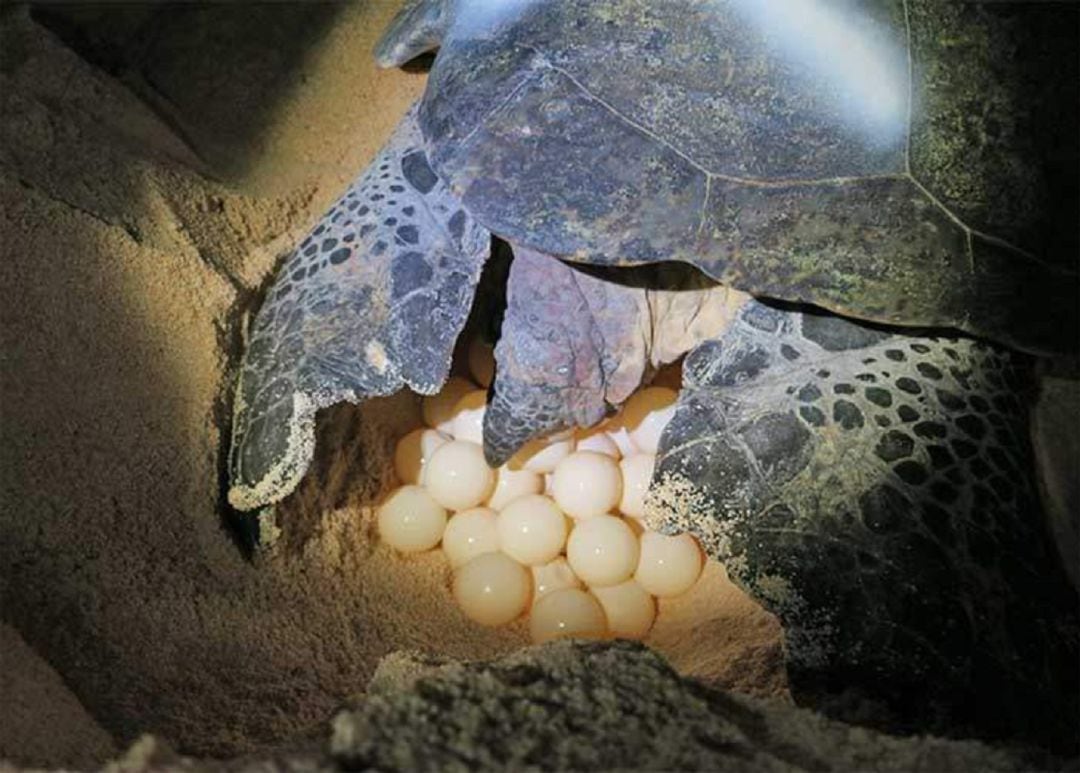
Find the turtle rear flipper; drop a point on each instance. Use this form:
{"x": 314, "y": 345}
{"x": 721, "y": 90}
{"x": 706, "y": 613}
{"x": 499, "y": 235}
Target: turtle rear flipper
{"x": 874, "y": 491}
{"x": 569, "y": 343}
{"x": 371, "y": 301}
{"x": 576, "y": 340}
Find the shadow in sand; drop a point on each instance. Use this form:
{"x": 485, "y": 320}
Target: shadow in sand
{"x": 215, "y": 72}
{"x": 117, "y": 332}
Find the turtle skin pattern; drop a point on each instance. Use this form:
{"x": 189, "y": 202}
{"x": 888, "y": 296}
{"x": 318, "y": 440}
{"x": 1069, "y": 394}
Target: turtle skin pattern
{"x": 874, "y": 491}
{"x": 371, "y": 301}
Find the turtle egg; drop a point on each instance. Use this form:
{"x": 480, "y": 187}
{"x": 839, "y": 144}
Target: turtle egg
{"x": 629, "y": 609}
{"x": 597, "y": 440}
{"x": 482, "y": 362}
{"x": 468, "y": 417}
{"x": 636, "y": 473}
{"x": 469, "y": 534}
{"x": 586, "y": 484}
{"x": 542, "y": 454}
{"x": 413, "y": 451}
{"x": 492, "y": 588}
{"x": 554, "y": 575}
{"x": 565, "y": 613}
{"x": 646, "y": 414}
{"x": 602, "y": 550}
{"x": 410, "y": 520}
{"x": 532, "y": 530}
{"x": 620, "y": 436}
{"x": 668, "y": 565}
{"x": 438, "y": 409}
{"x": 511, "y": 484}
{"x": 636, "y": 525}
{"x": 457, "y": 475}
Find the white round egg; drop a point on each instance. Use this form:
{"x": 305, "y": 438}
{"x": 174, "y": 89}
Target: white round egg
{"x": 567, "y": 613}
{"x": 629, "y": 609}
{"x": 597, "y": 441}
{"x": 636, "y": 472}
{"x": 457, "y": 476}
{"x": 554, "y": 575}
{"x": 646, "y": 414}
{"x": 636, "y": 525}
{"x": 438, "y": 409}
{"x": 492, "y": 588}
{"x": 668, "y": 566}
{"x": 413, "y": 451}
{"x": 410, "y": 520}
{"x": 619, "y": 435}
{"x": 511, "y": 484}
{"x": 532, "y": 529}
{"x": 542, "y": 454}
{"x": 468, "y": 417}
{"x": 481, "y": 362}
{"x": 602, "y": 550}
{"x": 469, "y": 534}
{"x": 587, "y": 484}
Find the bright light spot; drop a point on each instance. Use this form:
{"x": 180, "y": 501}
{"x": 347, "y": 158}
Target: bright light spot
{"x": 865, "y": 67}
{"x": 481, "y": 18}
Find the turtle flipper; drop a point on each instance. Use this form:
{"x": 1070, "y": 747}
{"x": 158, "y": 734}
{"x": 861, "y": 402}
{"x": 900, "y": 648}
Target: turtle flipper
{"x": 371, "y": 301}
{"x": 418, "y": 28}
{"x": 576, "y": 340}
{"x": 874, "y": 491}
{"x": 569, "y": 343}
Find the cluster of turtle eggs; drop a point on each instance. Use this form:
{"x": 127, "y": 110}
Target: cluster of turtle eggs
{"x": 554, "y": 532}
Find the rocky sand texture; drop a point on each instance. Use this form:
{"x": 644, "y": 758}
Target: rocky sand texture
{"x": 593, "y": 706}
{"x": 586, "y": 706}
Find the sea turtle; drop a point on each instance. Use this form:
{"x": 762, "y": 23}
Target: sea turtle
{"x": 850, "y": 443}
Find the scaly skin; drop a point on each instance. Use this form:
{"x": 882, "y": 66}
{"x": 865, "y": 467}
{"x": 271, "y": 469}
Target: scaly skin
{"x": 371, "y": 301}
{"x": 874, "y": 490}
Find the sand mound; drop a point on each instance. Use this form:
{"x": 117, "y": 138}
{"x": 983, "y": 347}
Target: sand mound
{"x": 583, "y": 706}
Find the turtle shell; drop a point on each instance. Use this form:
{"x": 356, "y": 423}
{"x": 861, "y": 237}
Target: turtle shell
{"x": 886, "y": 160}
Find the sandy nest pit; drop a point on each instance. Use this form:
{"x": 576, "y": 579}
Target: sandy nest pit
{"x": 146, "y": 198}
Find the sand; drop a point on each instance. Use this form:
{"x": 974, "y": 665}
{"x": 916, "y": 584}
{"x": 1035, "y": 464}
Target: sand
{"x": 582, "y": 706}
{"x": 608, "y": 706}
{"x": 148, "y": 185}
{"x": 42, "y": 720}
